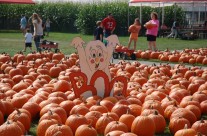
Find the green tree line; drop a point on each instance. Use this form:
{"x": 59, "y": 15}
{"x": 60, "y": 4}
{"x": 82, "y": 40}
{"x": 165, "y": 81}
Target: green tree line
{"x": 76, "y": 17}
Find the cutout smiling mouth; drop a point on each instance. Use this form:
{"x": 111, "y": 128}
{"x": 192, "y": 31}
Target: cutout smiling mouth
{"x": 96, "y": 65}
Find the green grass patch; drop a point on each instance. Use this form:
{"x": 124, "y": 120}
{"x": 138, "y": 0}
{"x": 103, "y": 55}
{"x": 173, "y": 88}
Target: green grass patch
{"x": 13, "y": 41}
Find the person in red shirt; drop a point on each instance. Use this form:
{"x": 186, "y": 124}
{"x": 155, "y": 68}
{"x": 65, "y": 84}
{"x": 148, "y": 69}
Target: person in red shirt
{"x": 109, "y": 25}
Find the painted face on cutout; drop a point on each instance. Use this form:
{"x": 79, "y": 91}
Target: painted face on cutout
{"x": 96, "y": 56}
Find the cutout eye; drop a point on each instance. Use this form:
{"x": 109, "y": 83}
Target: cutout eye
{"x": 99, "y": 54}
{"x": 93, "y": 55}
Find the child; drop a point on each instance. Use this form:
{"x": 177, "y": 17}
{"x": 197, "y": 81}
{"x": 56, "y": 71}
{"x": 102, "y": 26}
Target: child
{"x": 28, "y": 40}
{"x": 134, "y": 30}
{"x": 98, "y": 34}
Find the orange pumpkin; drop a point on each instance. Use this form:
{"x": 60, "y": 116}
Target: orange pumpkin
{"x": 85, "y": 130}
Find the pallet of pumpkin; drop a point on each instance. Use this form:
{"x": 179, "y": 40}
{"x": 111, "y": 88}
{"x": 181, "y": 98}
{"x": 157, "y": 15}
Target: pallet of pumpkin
{"x": 37, "y": 98}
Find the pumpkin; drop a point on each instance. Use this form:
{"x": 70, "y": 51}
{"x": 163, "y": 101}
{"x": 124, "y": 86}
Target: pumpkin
{"x": 21, "y": 117}
{"x": 115, "y": 125}
{"x": 1, "y": 118}
{"x": 79, "y": 109}
{"x": 185, "y": 113}
{"x": 200, "y": 126}
{"x": 102, "y": 122}
{"x": 10, "y": 128}
{"x": 127, "y": 119}
{"x": 33, "y": 108}
{"x": 99, "y": 108}
{"x": 159, "y": 121}
{"x": 85, "y": 130}
{"x": 178, "y": 123}
{"x": 148, "y": 129}
{"x": 62, "y": 85}
{"x": 204, "y": 107}
{"x": 51, "y": 115}
{"x": 92, "y": 117}
{"x": 196, "y": 110}
{"x": 74, "y": 121}
{"x": 128, "y": 134}
{"x": 120, "y": 109}
{"x": 54, "y": 71}
{"x": 149, "y": 25}
{"x": 108, "y": 104}
{"x": 67, "y": 106}
{"x": 113, "y": 115}
{"x": 186, "y": 132}
{"x": 115, "y": 133}
{"x": 56, "y": 129}
{"x": 135, "y": 109}
{"x": 44, "y": 125}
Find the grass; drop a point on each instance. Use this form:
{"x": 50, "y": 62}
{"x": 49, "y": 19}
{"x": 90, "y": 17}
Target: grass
{"x": 13, "y": 41}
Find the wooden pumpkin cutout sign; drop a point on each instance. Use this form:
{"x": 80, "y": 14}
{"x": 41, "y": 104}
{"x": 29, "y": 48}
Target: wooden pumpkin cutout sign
{"x": 94, "y": 59}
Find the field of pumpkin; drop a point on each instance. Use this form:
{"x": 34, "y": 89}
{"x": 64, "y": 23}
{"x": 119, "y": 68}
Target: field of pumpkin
{"x": 36, "y": 90}
{"x": 191, "y": 56}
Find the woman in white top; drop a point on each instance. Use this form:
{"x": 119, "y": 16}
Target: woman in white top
{"x": 38, "y": 30}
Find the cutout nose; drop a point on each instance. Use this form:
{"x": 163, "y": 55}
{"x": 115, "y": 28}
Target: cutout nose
{"x": 97, "y": 59}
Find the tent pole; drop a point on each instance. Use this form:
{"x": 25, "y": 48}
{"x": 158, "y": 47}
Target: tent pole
{"x": 128, "y": 15}
{"x": 163, "y": 13}
{"x": 193, "y": 16}
{"x": 140, "y": 13}
{"x": 205, "y": 12}
{"x": 175, "y": 10}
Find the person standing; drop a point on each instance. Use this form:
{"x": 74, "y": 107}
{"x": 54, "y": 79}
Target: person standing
{"x": 109, "y": 25}
{"x": 98, "y": 33}
{"x": 134, "y": 30}
{"x": 152, "y": 31}
{"x": 47, "y": 25}
{"x": 28, "y": 40}
{"x": 38, "y": 30}
{"x": 174, "y": 30}
{"x": 23, "y": 24}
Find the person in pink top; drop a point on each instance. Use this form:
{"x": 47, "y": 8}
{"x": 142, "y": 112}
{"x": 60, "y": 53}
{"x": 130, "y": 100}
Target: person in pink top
{"x": 152, "y": 31}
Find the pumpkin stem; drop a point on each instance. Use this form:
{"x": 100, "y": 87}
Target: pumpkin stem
{"x": 156, "y": 112}
{"x": 18, "y": 111}
{"x": 202, "y": 120}
{"x": 168, "y": 97}
{"x": 199, "y": 134}
{"x": 98, "y": 102}
{"x": 50, "y": 112}
{"x": 128, "y": 111}
{"x": 186, "y": 126}
{"x": 8, "y": 122}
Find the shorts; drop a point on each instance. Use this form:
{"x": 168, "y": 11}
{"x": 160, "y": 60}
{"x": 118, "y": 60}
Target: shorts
{"x": 151, "y": 38}
{"x": 28, "y": 44}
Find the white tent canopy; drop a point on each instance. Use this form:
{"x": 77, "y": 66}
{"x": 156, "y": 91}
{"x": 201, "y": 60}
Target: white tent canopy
{"x": 187, "y": 5}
